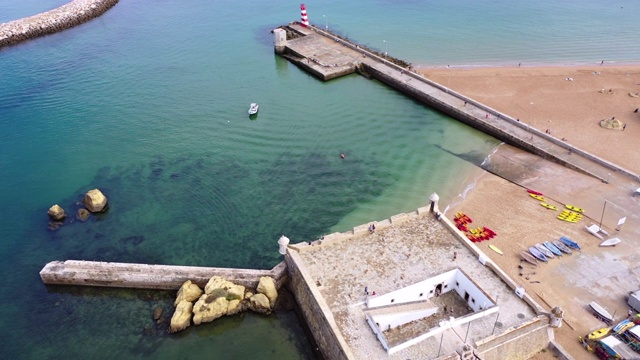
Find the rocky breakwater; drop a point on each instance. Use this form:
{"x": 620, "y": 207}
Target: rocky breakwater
{"x": 220, "y": 297}
{"x": 66, "y": 16}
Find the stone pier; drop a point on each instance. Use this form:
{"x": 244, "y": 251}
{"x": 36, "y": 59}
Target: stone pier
{"x": 145, "y": 276}
{"x": 328, "y": 56}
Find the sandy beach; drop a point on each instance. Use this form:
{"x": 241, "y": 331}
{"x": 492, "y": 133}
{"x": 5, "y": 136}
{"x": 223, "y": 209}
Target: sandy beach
{"x": 570, "y": 102}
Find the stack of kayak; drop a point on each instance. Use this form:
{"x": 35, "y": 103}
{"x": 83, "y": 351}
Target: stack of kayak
{"x": 478, "y": 234}
{"x": 571, "y": 214}
{"x": 462, "y": 221}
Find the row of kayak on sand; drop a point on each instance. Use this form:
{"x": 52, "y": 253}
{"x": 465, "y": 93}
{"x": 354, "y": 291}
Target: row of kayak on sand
{"x": 548, "y": 250}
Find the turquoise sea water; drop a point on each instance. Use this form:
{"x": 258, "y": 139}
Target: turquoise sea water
{"x": 148, "y": 103}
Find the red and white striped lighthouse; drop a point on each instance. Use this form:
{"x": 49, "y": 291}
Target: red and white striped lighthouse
{"x": 303, "y": 13}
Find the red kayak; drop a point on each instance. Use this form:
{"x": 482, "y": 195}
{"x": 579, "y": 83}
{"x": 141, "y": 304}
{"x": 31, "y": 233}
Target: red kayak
{"x": 534, "y": 192}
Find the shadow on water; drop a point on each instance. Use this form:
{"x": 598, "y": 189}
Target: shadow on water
{"x": 475, "y": 157}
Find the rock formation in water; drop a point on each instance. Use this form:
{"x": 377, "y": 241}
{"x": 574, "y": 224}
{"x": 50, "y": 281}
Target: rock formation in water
{"x": 181, "y": 318}
{"x": 220, "y": 298}
{"x": 189, "y": 292}
{"x": 267, "y": 286}
{"x": 95, "y": 201}
{"x": 56, "y": 213}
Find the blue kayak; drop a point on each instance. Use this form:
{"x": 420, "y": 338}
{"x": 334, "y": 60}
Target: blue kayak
{"x": 552, "y": 248}
{"x": 569, "y": 243}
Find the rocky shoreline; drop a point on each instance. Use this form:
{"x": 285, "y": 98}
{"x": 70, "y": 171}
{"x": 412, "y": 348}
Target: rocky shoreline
{"x": 66, "y": 16}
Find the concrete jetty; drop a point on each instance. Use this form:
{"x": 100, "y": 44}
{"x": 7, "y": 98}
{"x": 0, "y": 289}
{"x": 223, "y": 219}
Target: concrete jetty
{"x": 328, "y": 56}
{"x": 66, "y": 16}
{"x": 145, "y": 276}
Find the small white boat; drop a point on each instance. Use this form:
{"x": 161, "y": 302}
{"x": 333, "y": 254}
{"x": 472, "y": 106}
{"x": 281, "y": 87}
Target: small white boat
{"x": 611, "y": 242}
{"x": 253, "y": 108}
{"x": 601, "y": 312}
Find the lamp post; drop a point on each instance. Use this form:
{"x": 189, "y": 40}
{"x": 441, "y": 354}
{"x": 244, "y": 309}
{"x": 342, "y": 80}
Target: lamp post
{"x": 385, "y": 49}
{"x": 326, "y": 22}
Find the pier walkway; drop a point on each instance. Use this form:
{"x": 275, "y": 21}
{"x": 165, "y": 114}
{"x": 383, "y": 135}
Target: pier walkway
{"x": 145, "y": 276}
{"x": 328, "y": 56}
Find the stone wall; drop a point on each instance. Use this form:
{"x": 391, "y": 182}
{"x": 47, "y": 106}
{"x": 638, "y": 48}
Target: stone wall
{"x": 518, "y": 343}
{"x": 66, "y": 16}
{"x": 315, "y": 310}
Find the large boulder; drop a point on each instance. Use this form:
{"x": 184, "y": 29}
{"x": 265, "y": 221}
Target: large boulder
{"x": 56, "y": 213}
{"x": 267, "y": 286}
{"x": 260, "y": 304}
{"x": 235, "y": 306}
{"x": 189, "y": 292}
{"x": 221, "y": 287}
{"x": 95, "y": 201}
{"x": 209, "y": 307}
{"x": 181, "y": 318}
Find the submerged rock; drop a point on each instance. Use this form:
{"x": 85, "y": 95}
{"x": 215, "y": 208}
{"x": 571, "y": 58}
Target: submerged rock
{"x": 83, "y": 214}
{"x": 157, "y": 312}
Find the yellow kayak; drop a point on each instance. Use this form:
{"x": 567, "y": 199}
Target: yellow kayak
{"x": 598, "y": 334}
{"x": 496, "y": 249}
{"x": 537, "y": 197}
{"x": 574, "y": 208}
{"x": 550, "y": 207}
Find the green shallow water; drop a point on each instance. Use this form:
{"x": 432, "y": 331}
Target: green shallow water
{"x": 149, "y": 103}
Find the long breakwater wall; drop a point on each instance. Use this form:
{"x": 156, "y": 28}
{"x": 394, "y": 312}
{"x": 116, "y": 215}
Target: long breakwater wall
{"x": 66, "y": 16}
{"x": 145, "y": 276}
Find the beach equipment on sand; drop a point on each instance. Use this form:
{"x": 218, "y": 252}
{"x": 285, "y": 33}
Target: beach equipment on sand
{"x": 528, "y": 258}
{"x": 550, "y": 207}
{"x": 611, "y": 242}
{"x": 593, "y": 230}
{"x": 545, "y": 251}
{"x": 538, "y": 254}
{"x": 534, "y": 192}
{"x": 537, "y": 197}
{"x": 600, "y": 312}
{"x": 495, "y": 248}
{"x": 598, "y": 334}
{"x": 570, "y": 243}
{"x": 560, "y": 245}
{"x": 574, "y": 208}
{"x": 623, "y": 326}
{"x": 570, "y": 216}
{"x": 553, "y": 248}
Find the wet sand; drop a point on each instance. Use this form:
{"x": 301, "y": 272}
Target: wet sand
{"x": 567, "y": 101}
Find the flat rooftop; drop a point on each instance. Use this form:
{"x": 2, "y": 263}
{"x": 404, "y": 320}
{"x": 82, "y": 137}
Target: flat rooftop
{"x": 394, "y": 257}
